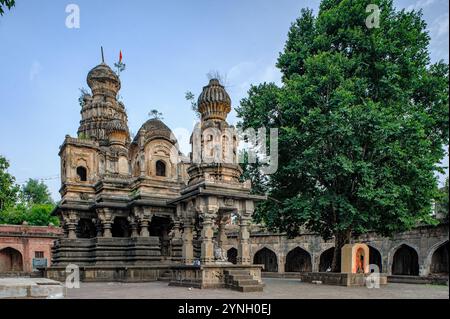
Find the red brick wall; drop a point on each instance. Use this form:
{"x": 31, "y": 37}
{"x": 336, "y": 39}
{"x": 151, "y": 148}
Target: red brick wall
{"x": 27, "y": 240}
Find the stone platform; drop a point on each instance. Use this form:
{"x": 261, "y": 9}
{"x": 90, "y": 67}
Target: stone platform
{"x": 339, "y": 279}
{"x": 110, "y": 273}
{"x": 41, "y": 288}
{"x": 238, "y": 277}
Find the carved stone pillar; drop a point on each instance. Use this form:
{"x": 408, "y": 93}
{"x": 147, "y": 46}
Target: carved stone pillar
{"x": 143, "y": 224}
{"x": 133, "y": 226}
{"x": 188, "y": 247}
{"x": 207, "y": 245}
{"x": 70, "y": 222}
{"x": 98, "y": 226}
{"x": 176, "y": 231}
{"x": 243, "y": 257}
{"x": 105, "y": 217}
{"x": 222, "y": 235}
{"x": 142, "y": 216}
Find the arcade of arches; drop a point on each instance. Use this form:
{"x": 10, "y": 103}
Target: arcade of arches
{"x": 405, "y": 254}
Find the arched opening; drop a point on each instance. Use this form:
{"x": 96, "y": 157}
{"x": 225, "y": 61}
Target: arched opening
{"x": 120, "y": 227}
{"x": 375, "y": 258}
{"x": 160, "y": 168}
{"x": 82, "y": 173}
{"x": 326, "y": 259}
{"x": 86, "y": 228}
{"x": 160, "y": 227}
{"x": 232, "y": 255}
{"x": 298, "y": 260}
{"x": 10, "y": 260}
{"x": 439, "y": 260}
{"x": 405, "y": 261}
{"x": 267, "y": 258}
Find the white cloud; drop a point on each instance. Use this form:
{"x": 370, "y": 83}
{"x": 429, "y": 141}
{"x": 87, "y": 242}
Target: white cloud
{"x": 241, "y": 76}
{"x": 420, "y": 4}
{"x": 441, "y": 26}
{"x": 35, "y": 69}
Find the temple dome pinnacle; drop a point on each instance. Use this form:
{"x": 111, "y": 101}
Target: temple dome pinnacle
{"x": 214, "y": 102}
{"x": 103, "y": 80}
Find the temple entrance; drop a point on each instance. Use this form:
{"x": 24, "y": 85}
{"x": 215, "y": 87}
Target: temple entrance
{"x": 298, "y": 260}
{"x": 232, "y": 255}
{"x": 86, "y": 228}
{"x": 160, "y": 227}
{"x": 375, "y": 258}
{"x": 10, "y": 260}
{"x": 439, "y": 260}
{"x": 120, "y": 227}
{"x": 405, "y": 262}
{"x": 267, "y": 258}
{"x": 326, "y": 259}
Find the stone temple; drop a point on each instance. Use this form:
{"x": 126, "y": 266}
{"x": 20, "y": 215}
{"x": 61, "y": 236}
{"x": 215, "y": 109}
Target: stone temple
{"x": 137, "y": 209}
{"x": 132, "y": 207}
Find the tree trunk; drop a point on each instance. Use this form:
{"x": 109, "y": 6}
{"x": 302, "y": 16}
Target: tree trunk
{"x": 340, "y": 239}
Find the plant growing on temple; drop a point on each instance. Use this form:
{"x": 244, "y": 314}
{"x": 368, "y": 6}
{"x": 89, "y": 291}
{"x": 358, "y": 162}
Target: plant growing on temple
{"x": 189, "y": 96}
{"x": 155, "y": 114}
{"x": 83, "y": 95}
{"x": 6, "y": 4}
{"x": 362, "y": 118}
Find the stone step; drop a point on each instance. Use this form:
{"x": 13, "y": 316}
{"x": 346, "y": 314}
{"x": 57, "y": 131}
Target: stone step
{"x": 249, "y": 288}
{"x": 245, "y": 282}
{"x": 166, "y": 276}
{"x": 240, "y": 277}
{"x": 236, "y": 272}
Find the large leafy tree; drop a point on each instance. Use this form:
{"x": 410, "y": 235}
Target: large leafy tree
{"x": 32, "y": 203}
{"x": 8, "y": 189}
{"x": 363, "y": 117}
{"x": 36, "y": 192}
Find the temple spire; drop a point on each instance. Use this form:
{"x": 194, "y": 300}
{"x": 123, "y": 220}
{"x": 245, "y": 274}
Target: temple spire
{"x": 103, "y": 57}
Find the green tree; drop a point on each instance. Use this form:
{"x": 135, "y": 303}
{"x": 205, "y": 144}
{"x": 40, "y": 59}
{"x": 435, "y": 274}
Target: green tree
{"x": 40, "y": 215}
{"x": 6, "y": 3}
{"x": 442, "y": 203}
{"x": 36, "y": 192}
{"x": 8, "y": 189}
{"x": 363, "y": 118}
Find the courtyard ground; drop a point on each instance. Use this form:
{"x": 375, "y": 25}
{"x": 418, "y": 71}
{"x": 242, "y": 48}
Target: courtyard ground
{"x": 275, "y": 289}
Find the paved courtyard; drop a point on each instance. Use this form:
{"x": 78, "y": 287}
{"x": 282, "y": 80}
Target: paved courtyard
{"x": 275, "y": 288}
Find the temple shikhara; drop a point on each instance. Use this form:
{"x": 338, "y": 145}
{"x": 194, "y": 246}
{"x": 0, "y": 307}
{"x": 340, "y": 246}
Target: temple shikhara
{"x": 141, "y": 204}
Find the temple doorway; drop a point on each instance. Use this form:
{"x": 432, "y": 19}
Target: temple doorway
{"x": 10, "y": 260}
{"x": 267, "y": 258}
{"x": 439, "y": 260}
{"x": 405, "y": 261}
{"x": 298, "y": 260}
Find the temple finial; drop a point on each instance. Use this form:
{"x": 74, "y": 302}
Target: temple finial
{"x": 103, "y": 57}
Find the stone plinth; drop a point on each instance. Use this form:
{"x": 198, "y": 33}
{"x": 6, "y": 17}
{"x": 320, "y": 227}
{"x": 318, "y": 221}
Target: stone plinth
{"x": 110, "y": 273}
{"x": 41, "y": 288}
{"x": 217, "y": 276}
{"x": 340, "y": 279}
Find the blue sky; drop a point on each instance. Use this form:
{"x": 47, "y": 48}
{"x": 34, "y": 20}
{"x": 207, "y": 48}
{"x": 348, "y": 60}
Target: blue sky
{"x": 168, "y": 47}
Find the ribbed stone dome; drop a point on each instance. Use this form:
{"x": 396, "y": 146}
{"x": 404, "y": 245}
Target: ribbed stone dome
{"x": 214, "y": 102}
{"x": 103, "y": 80}
{"x": 155, "y": 128}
